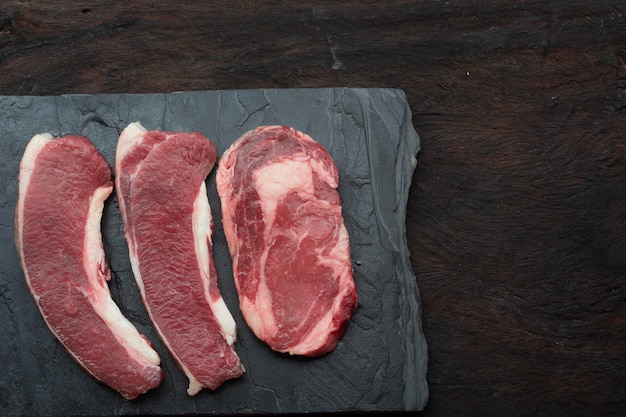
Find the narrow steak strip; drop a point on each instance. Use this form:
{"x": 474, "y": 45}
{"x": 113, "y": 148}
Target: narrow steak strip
{"x": 289, "y": 246}
{"x": 62, "y": 187}
{"x": 168, "y": 225}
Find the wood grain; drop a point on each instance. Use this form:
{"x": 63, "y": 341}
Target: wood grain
{"x": 517, "y": 214}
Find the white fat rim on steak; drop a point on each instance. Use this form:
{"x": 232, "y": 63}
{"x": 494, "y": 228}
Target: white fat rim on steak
{"x": 203, "y": 237}
{"x": 124, "y": 331}
{"x": 130, "y": 137}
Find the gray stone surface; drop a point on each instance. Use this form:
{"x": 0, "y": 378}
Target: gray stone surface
{"x": 379, "y": 365}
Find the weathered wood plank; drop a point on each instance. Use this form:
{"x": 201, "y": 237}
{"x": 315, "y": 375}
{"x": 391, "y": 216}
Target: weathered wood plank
{"x": 516, "y": 216}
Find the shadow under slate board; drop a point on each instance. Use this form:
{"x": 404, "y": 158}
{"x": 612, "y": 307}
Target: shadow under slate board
{"x": 379, "y": 365}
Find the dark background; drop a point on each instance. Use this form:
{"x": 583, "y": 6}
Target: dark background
{"x": 517, "y": 213}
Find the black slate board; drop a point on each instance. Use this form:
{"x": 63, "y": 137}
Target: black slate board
{"x": 379, "y": 365}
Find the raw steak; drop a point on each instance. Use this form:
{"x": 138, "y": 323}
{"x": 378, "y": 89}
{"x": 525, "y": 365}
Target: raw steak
{"x": 62, "y": 187}
{"x": 168, "y": 226}
{"x": 289, "y": 246}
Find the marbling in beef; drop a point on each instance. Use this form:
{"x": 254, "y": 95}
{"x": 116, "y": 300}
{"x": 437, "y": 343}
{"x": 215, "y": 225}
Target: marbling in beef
{"x": 290, "y": 249}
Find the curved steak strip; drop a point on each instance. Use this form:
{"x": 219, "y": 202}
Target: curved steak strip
{"x": 62, "y": 187}
{"x": 168, "y": 226}
{"x": 290, "y": 249}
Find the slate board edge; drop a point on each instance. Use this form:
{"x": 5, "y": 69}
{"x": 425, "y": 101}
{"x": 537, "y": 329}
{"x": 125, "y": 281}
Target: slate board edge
{"x": 409, "y": 145}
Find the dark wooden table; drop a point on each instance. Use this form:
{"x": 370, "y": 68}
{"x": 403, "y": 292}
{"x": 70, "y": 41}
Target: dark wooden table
{"x": 517, "y": 213}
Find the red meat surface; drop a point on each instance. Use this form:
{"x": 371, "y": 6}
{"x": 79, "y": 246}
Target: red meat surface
{"x": 168, "y": 226}
{"x": 290, "y": 249}
{"x": 63, "y": 184}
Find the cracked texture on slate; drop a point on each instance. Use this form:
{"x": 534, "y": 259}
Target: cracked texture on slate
{"x": 379, "y": 365}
